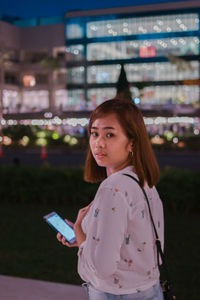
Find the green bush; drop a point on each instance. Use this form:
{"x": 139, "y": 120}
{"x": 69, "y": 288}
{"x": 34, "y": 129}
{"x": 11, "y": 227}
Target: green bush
{"x": 45, "y": 185}
{"x": 178, "y": 189}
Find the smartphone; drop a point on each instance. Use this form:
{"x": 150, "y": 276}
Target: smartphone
{"x": 57, "y": 223}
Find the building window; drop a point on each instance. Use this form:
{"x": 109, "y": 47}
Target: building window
{"x": 75, "y": 75}
{"x": 41, "y": 78}
{"x": 167, "y": 95}
{"x": 75, "y": 100}
{"x": 29, "y": 80}
{"x": 165, "y": 71}
{"x": 143, "y": 25}
{"x": 103, "y": 73}
{"x": 34, "y": 101}
{"x": 34, "y": 56}
{"x": 75, "y": 52}
{"x": 99, "y": 95}
{"x": 60, "y": 78}
{"x": 11, "y": 102}
{"x": 74, "y": 31}
{"x": 143, "y": 48}
{"x": 61, "y": 99}
{"x": 11, "y": 78}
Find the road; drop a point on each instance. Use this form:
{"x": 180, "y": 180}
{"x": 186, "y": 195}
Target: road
{"x": 185, "y": 160}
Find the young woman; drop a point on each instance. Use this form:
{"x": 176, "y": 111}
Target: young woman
{"x": 117, "y": 255}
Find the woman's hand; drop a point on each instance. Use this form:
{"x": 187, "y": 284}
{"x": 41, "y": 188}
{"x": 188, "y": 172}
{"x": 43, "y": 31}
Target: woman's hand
{"x": 80, "y": 235}
{"x": 62, "y": 239}
{"x": 81, "y": 214}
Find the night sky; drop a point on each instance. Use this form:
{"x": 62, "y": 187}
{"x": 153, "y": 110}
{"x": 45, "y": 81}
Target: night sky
{"x": 49, "y": 8}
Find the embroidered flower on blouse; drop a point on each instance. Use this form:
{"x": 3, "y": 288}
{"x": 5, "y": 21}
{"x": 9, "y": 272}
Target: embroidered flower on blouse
{"x": 130, "y": 262}
{"x": 96, "y": 239}
{"x": 127, "y": 239}
{"x": 142, "y": 212}
{"x": 96, "y": 212}
{"x": 116, "y": 280}
{"x": 142, "y": 248}
{"x": 113, "y": 208}
{"x": 149, "y": 273}
{"x": 81, "y": 251}
{"x": 116, "y": 190}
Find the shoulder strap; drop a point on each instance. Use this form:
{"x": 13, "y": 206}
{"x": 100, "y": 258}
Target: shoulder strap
{"x": 158, "y": 243}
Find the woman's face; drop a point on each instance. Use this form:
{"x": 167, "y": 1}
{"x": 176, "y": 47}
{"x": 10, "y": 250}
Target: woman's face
{"x": 109, "y": 144}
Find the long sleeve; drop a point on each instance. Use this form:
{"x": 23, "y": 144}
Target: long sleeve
{"x": 106, "y": 232}
{"x": 119, "y": 254}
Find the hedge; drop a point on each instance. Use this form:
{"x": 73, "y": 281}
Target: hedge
{"x": 178, "y": 189}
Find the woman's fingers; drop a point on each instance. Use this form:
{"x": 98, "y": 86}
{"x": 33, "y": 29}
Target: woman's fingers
{"x": 69, "y": 223}
{"x": 63, "y": 240}
{"x": 59, "y": 237}
{"x": 65, "y": 243}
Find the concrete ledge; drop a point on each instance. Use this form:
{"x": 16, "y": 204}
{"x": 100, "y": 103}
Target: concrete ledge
{"x": 14, "y": 288}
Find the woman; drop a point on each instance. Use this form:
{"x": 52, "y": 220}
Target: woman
{"x": 117, "y": 251}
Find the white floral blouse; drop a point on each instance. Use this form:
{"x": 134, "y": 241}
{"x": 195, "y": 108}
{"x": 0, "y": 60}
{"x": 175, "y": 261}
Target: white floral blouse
{"x": 119, "y": 254}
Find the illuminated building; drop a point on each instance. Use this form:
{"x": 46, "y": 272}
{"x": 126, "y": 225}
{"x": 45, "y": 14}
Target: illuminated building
{"x": 69, "y": 65}
{"x": 158, "y": 44}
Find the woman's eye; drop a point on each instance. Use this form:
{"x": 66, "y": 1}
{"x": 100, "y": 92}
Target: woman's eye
{"x": 109, "y": 135}
{"x": 94, "y": 134}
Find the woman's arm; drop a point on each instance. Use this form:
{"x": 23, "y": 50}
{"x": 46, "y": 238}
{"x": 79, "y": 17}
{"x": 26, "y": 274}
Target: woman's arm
{"x": 105, "y": 234}
{"x": 80, "y": 235}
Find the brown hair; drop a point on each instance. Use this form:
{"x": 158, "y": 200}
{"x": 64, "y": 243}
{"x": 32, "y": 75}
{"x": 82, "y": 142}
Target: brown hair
{"x": 131, "y": 120}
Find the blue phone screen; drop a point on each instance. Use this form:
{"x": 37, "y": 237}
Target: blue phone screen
{"x": 60, "y": 225}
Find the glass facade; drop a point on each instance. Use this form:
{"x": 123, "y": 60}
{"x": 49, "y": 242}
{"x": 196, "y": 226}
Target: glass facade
{"x": 99, "y": 95}
{"x": 164, "y": 49}
{"x": 103, "y": 73}
{"x": 74, "y": 31}
{"x": 75, "y": 100}
{"x": 75, "y": 75}
{"x": 143, "y": 25}
{"x": 162, "y": 71}
{"x": 75, "y": 52}
{"x": 167, "y": 95}
{"x": 143, "y": 48}
{"x": 159, "y": 71}
{"x": 10, "y": 101}
{"x": 35, "y": 100}
{"x": 61, "y": 99}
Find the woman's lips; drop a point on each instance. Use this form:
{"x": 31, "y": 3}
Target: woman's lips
{"x": 100, "y": 155}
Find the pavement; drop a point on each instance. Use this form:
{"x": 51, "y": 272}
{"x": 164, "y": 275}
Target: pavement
{"x": 14, "y": 288}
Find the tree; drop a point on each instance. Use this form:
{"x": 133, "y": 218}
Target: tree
{"x": 123, "y": 89}
{"x": 181, "y": 64}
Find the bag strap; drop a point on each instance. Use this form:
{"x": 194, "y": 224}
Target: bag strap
{"x": 158, "y": 243}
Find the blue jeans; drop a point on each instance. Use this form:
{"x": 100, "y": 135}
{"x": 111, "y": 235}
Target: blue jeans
{"x": 153, "y": 293}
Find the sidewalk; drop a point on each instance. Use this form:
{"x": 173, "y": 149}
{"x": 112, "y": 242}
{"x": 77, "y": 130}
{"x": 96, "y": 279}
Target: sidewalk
{"x": 14, "y": 288}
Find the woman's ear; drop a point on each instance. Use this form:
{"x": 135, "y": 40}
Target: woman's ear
{"x": 130, "y": 149}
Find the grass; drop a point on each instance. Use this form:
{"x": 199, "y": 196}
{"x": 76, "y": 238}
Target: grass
{"x": 29, "y": 247}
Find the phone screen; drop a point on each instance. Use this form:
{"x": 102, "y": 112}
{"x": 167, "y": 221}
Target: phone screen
{"x": 61, "y": 226}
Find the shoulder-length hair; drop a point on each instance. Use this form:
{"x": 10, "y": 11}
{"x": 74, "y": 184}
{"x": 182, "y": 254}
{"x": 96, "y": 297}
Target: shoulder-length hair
{"x": 131, "y": 120}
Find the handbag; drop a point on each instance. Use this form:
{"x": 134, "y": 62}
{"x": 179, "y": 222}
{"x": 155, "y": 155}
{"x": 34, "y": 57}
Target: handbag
{"x": 166, "y": 285}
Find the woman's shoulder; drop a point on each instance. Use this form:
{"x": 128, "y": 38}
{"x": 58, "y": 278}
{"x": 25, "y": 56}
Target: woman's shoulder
{"x": 120, "y": 181}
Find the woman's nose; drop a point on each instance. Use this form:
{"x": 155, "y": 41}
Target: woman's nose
{"x": 100, "y": 142}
